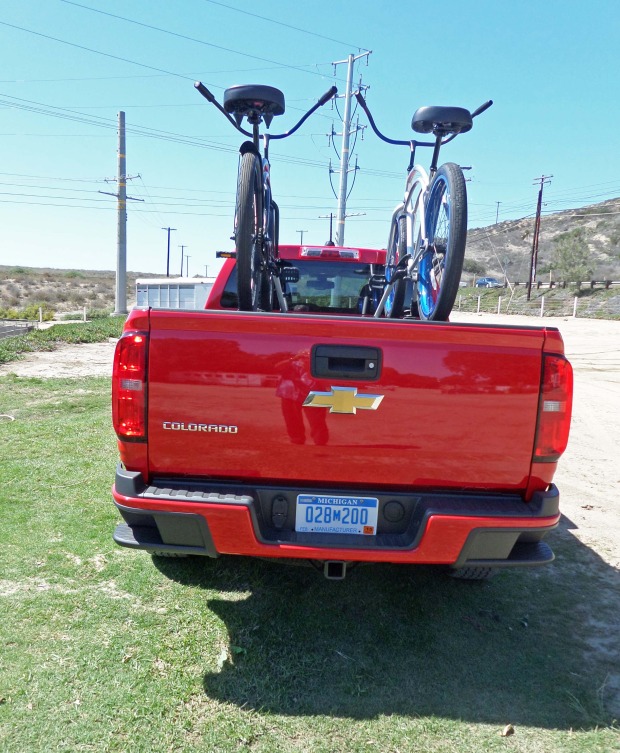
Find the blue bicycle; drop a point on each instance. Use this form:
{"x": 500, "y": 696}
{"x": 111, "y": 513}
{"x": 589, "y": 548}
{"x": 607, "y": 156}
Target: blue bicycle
{"x": 256, "y": 225}
{"x": 428, "y": 232}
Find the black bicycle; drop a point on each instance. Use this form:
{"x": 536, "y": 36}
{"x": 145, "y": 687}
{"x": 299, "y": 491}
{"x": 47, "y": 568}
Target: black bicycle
{"x": 257, "y": 217}
{"x": 428, "y": 232}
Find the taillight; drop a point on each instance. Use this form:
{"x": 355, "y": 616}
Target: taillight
{"x": 331, "y": 253}
{"x": 554, "y": 411}
{"x": 129, "y": 387}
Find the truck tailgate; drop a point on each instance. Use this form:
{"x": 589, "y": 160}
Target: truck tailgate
{"x": 444, "y": 406}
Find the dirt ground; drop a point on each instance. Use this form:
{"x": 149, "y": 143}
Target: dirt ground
{"x": 588, "y": 475}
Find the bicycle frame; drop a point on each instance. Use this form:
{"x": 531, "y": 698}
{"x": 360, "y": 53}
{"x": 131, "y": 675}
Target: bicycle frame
{"x": 412, "y": 209}
{"x": 414, "y": 205}
{"x": 269, "y": 230}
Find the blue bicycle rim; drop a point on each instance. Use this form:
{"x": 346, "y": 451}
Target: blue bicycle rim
{"x": 427, "y": 295}
{"x": 389, "y": 302}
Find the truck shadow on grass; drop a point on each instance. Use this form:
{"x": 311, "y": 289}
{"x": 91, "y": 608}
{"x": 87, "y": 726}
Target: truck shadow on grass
{"x": 410, "y": 641}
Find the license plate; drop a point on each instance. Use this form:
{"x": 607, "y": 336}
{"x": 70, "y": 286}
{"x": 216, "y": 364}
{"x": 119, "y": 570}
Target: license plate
{"x": 325, "y": 514}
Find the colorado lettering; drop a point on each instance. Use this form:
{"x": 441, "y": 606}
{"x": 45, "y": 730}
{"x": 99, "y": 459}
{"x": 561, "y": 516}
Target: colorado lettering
{"x": 209, "y": 428}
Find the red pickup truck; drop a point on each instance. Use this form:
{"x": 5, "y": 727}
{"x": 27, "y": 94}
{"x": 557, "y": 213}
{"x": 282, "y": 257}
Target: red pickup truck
{"x": 329, "y": 435}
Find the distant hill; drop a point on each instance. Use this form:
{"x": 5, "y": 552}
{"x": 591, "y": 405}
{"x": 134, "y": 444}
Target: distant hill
{"x": 506, "y": 247}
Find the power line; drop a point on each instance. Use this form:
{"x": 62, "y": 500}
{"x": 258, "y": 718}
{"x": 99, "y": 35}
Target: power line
{"x": 185, "y": 38}
{"x": 96, "y": 52}
{"x": 137, "y": 130}
{"x": 136, "y": 75}
{"x": 281, "y": 23}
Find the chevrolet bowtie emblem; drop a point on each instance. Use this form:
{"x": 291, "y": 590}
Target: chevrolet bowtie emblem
{"x": 342, "y": 400}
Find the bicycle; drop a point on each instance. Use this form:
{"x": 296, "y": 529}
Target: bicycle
{"x": 428, "y": 231}
{"x": 256, "y": 224}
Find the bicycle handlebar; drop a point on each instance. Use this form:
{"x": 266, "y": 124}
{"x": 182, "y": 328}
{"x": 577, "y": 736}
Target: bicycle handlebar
{"x": 482, "y": 108}
{"x": 205, "y": 92}
{"x": 327, "y": 96}
{"x": 362, "y": 103}
{"x": 210, "y": 98}
{"x": 323, "y": 100}
{"x": 411, "y": 143}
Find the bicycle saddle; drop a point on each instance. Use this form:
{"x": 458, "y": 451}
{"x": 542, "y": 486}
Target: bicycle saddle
{"x": 441, "y": 120}
{"x": 254, "y": 98}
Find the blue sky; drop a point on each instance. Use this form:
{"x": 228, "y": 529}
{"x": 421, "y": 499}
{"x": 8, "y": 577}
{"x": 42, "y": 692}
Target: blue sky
{"x": 66, "y": 70}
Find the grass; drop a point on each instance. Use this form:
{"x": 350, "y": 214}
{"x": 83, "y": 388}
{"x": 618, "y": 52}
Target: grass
{"x": 99, "y": 330}
{"x": 595, "y": 303}
{"x": 106, "y": 649}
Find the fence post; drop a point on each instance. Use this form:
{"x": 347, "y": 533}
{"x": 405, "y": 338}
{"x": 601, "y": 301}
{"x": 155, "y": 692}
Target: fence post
{"x": 499, "y": 305}
{"x": 40, "y": 315}
{"x": 478, "y": 309}
{"x": 575, "y": 308}
{"x": 542, "y": 306}
{"x": 84, "y": 315}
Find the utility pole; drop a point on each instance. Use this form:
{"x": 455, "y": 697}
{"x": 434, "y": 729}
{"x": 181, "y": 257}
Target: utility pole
{"x": 301, "y": 232}
{"x": 169, "y": 229}
{"x": 187, "y": 258}
{"x": 330, "y": 242}
{"x": 182, "y": 248}
{"x": 120, "y": 298}
{"x": 206, "y": 270}
{"x": 497, "y": 212}
{"x": 534, "y": 255}
{"x": 344, "y": 156}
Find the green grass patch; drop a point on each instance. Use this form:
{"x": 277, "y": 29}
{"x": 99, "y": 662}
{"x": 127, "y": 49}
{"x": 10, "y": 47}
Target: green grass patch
{"x": 99, "y": 330}
{"x": 107, "y": 649}
{"x": 596, "y": 303}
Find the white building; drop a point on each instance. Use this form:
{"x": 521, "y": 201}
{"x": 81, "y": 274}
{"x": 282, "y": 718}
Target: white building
{"x": 173, "y": 292}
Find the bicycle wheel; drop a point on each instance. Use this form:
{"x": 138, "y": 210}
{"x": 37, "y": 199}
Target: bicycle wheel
{"x": 252, "y": 279}
{"x": 439, "y": 269}
{"x": 397, "y": 248}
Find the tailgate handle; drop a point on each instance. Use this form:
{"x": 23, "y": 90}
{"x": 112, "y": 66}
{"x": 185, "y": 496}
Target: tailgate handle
{"x": 345, "y": 362}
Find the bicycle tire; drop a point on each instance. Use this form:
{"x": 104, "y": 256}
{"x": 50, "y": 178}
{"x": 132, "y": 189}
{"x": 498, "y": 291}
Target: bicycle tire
{"x": 440, "y": 268}
{"x": 252, "y": 280}
{"x": 397, "y": 248}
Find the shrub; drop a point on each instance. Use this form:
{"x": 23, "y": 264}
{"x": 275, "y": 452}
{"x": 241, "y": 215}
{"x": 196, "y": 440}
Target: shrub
{"x": 98, "y": 313}
{"x": 9, "y": 313}
{"x": 572, "y": 258}
{"x": 474, "y": 267}
{"x": 32, "y": 311}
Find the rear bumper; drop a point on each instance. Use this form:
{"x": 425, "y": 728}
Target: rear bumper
{"x": 458, "y": 530}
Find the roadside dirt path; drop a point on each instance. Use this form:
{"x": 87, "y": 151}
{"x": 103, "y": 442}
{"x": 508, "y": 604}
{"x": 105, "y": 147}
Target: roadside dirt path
{"x": 89, "y": 359}
{"x": 589, "y": 472}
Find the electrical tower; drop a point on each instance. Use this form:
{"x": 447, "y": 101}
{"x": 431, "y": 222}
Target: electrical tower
{"x": 344, "y": 155}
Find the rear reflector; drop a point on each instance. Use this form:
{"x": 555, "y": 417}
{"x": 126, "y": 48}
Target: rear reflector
{"x": 129, "y": 387}
{"x": 554, "y": 414}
